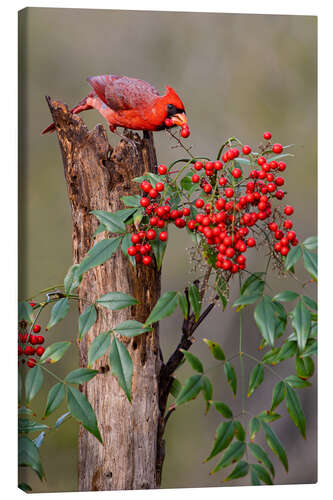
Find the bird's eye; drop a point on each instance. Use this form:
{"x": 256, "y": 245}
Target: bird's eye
{"x": 170, "y": 107}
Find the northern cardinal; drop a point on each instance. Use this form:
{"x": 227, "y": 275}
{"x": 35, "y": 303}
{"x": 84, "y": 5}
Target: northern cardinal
{"x": 133, "y": 104}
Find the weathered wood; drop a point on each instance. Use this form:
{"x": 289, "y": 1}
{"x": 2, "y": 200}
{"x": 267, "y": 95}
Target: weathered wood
{"x": 128, "y": 458}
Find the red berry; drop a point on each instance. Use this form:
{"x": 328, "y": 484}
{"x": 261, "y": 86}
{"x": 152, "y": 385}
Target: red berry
{"x": 273, "y": 226}
{"x": 229, "y": 192}
{"x": 207, "y": 188}
{"x": 36, "y": 328}
{"x": 251, "y": 242}
{"x": 153, "y": 221}
{"x": 241, "y": 259}
{"x": 33, "y": 339}
{"x": 218, "y": 165}
{"x": 287, "y": 224}
{"x": 271, "y": 187}
{"x": 246, "y": 150}
{"x": 198, "y": 165}
{"x": 279, "y": 181}
{"x": 279, "y": 194}
{"x": 282, "y": 166}
{"x": 195, "y": 178}
{"x": 234, "y": 268}
{"x": 144, "y": 202}
{"x": 159, "y": 186}
{"x": 163, "y": 236}
{"x": 168, "y": 122}
{"x": 151, "y": 234}
{"x": 237, "y": 173}
{"x": 199, "y": 203}
{"x": 220, "y": 204}
{"x": 277, "y": 148}
{"x": 32, "y": 304}
{"x": 40, "y": 339}
{"x": 131, "y": 251}
{"x": 153, "y": 193}
{"x": 288, "y": 210}
{"x": 284, "y": 250}
{"x": 135, "y": 238}
{"x": 267, "y": 135}
{"x": 146, "y": 186}
{"x": 278, "y": 235}
{"x": 222, "y": 181}
{"x": 291, "y": 235}
{"x": 180, "y": 222}
{"x": 40, "y": 350}
{"x": 19, "y": 350}
{"x": 31, "y": 362}
{"x": 226, "y": 265}
{"x": 261, "y": 160}
{"x": 185, "y": 132}
{"x": 162, "y": 169}
{"x": 284, "y": 241}
{"x": 146, "y": 260}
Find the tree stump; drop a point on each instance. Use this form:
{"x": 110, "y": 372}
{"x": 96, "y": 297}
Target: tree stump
{"x": 97, "y": 176}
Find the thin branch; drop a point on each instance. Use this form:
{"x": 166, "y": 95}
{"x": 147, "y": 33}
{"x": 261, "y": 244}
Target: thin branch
{"x": 180, "y": 143}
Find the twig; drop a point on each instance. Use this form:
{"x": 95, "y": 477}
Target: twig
{"x": 180, "y": 143}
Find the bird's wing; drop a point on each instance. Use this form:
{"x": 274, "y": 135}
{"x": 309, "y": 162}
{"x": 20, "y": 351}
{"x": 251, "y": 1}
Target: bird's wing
{"x": 121, "y": 92}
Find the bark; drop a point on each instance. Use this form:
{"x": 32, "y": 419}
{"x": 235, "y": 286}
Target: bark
{"x": 132, "y": 454}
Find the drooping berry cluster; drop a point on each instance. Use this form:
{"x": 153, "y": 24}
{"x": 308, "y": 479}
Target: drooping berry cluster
{"x": 231, "y": 207}
{"x": 185, "y": 130}
{"x": 29, "y": 345}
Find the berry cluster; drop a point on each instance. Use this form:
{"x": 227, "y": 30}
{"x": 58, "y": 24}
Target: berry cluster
{"x": 30, "y": 344}
{"x": 230, "y": 208}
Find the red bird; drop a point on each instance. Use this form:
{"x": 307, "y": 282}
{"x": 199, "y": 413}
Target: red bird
{"x": 132, "y": 104}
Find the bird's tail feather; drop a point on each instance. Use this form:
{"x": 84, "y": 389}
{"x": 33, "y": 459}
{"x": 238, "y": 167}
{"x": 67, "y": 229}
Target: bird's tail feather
{"x": 82, "y": 106}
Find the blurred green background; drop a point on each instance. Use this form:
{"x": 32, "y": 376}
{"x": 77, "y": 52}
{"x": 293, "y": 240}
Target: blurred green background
{"x": 237, "y": 75}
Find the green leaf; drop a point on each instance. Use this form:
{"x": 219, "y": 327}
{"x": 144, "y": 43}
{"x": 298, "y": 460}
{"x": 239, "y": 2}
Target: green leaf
{"x": 207, "y": 389}
{"x": 98, "y": 347}
{"x": 121, "y": 366}
{"x": 295, "y": 409}
{"x": 275, "y": 444}
{"x": 193, "y": 360}
{"x": 195, "y": 300}
{"x": 80, "y": 375}
{"x": 222, "y": 408}
{"x": 310, "y": 350}
{"x": 131, "y": 328}
{"x": 125, "y": 214}
{"x": 131, "y": 201}
{"x": 310, "y": 263}
{"x": 253, "y": 285}
{"x": 304, "y": 367}
{"x": 39, "y": 439}
{"x": 54, "y": 398}
{"x": 233, "y": 453}
{"x": 116, "y": 300}
{"x": 297, "y": 382}
{"x": 183, "y": 304}
{"x": 286, "y": 296}
{"x": 81, "y": 409}
{"x": 268, "y": 416}
{"x": 164, "y": 307}
{"x": 126, "y": 242}
{"x": 87, "y": 319}
{"x": 272, "y": 356}
{"x": 292, "y": 257}
{"x": 239, "y": 431}
{"x": 72, "y": 279}
{"x": 231, "y": 376}
{"x": 278, "y": 394}
{"x": 254, "y": 427}
{"x": 256, "y": 378}
{"x": 262, "y": 457}
{"x": 112, "y": 221}
{"x": 23, "y": 410}
{"x": 311, "y": 243}
{"x": 58, "y": 312}
{"x": 54, "y": 352}
{"x": 241, "y": 470}
{"x": 186, "y": 183}
{"x": 100, "y": 229}
{"x": 191, "y": 389}
{"x": 28, "y": 456}
{"x": 159, "y": 248}
{"x": 224, "y": 436}
{"x": 175, "y": 388}
{"x": 264, "y": 316}
{"x": 101, "y": 252}
{"x": 280, "y": 318}
{"x": 24, "y": 487}
{"x": 245, "y": 300}
{"x": 25, "y": 312}
{"x": 309, "y": 302}
{"x": 262, "y": 473}
{"x": 301, "y": 321}
{"x": 215, "y": 349}
{"x": 33, "y": 382}
{"x": 62, "y": 419}
{"x": 26, "y": 425}
{"x": 288, "y": 350}
{"x": 254, "y": 478}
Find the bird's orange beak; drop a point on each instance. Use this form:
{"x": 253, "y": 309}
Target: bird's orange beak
{"x": 179, "y": 119}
